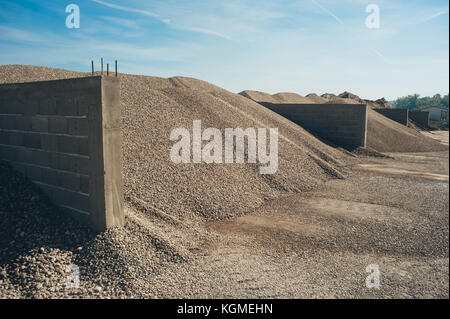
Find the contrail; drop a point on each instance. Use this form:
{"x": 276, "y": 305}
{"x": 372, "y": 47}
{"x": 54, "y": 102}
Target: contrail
{"x": 327, "y": 11}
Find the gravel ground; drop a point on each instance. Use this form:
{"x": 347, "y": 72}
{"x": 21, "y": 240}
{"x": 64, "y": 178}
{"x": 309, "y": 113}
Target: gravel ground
{"x": 314, "y": 244}
{"x": 318, "y": 244}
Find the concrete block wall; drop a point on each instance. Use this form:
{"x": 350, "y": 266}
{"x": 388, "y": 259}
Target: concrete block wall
{"x": 398, "y": 115}
{"x": 421, "y": 118}
{"x": 343, "y": 124}
{"x": 65, "y": 137}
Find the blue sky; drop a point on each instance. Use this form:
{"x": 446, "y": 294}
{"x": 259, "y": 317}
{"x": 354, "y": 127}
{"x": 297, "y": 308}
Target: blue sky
{"x": 273, "y": 46}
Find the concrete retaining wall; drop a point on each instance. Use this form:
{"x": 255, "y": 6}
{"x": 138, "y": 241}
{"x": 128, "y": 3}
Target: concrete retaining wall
{"x": 421, "y": 118}
{"x": 343, "y": 124}
{"x": 398, "y": 115}
{"x": 65, "y": 137}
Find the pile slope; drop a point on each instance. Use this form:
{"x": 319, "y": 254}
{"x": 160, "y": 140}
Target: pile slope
{"x": 152, "y": 107}
{"x": 316, "y": 99}
{"x": 383, "y": 134}
{"x": 282, "y": 97}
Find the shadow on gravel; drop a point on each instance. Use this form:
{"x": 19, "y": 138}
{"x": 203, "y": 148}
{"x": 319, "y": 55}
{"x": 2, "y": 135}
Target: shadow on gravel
{"x": 29, "y": 221}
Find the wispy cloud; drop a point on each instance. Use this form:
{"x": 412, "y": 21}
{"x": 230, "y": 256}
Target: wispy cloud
{"x": 157, "y": 16}
{"x": 438, "y": 14}
{"x": 327, "y": 11}
{"x": 127, "y": 9}
{"x": 206, "y": 31}
{"x": 410, "y": 61}
{"x": 23, "y": 36}
{"x": 380, "y": 55}
{"x": 122, "y": 22}
{"x": 63, "y": 51}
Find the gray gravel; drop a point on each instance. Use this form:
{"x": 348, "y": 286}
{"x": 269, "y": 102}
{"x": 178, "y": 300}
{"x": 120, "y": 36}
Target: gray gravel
{"x": 152, "y": 107}
{"x": 383, "y": 134}
{"x": 225, "y": 231}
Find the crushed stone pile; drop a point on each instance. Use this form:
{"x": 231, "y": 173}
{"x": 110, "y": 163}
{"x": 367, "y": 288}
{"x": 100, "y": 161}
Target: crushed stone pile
{"x": 152, "y": 107}
{"x": 383, "y": 134}
{"x": 379, "y": 103}
{"x": 165, "y": 202}
{"x": 316, "y": 99}
{"x": 38, "y": 243}
{"x": 282, "y": 97}
{"x": 383, "y": 103}
{"x": 348, "y": 95}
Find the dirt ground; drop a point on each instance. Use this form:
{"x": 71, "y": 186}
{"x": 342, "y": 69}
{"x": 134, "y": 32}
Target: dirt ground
{"x": 441, "y": 136}
{"x": 318, "y": 244}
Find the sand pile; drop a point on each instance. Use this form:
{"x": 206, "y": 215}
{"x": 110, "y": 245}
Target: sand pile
{"x": 152, "y": 107}
{"x": 383, "y": 134}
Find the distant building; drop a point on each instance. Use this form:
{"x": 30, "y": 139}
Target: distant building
{"x": 436, "y": 113}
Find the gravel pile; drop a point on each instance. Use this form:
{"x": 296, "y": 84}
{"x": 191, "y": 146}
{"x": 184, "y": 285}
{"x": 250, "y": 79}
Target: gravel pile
{"x": 334, "y": 99}
{"x": 383, "y": 134}
{"x": 291, "y": 98}
{"x": 38, "y": 243}
{"x": 152, "y": 107}
{"x": 348, "y": 95}
{"x": 164, "y": 249}
{"x": 165, "y": 202}
{"x": 316, "y": 99}
{"x": 283, "y": 97}
{"x": 380, "y": 103}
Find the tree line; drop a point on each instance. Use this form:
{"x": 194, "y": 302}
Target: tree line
{"x": 415, "y": 102}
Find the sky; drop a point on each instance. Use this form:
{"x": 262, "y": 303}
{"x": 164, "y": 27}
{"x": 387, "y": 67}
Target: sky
{"x": 308, "y": 46}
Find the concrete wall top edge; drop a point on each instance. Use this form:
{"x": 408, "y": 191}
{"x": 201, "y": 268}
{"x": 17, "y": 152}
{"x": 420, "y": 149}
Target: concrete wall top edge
{"x": 24, "y": 84}
{"x": 319, "y": 104}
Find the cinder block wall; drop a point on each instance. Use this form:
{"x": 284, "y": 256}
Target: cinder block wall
{"x": 398, "y": 115}
{"x": 343, "y": 124}
{"x": 65, "y": 137}
{"x": 421, "y": 118}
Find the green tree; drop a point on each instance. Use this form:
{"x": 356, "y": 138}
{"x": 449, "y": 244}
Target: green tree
{"x": 415, "y": 102}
